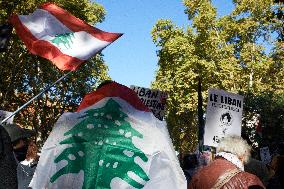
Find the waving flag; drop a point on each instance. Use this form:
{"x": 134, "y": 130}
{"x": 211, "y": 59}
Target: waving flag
{"x": 57, "y": 35}
{"x": 113, "y": 141}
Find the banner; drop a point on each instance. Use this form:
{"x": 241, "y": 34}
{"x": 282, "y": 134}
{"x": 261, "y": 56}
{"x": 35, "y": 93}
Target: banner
{"x": 113, "y": 141}
{"x": 4, "y": 114}
{"x": 223, "y": 116}
{"x": 154, "y": 99}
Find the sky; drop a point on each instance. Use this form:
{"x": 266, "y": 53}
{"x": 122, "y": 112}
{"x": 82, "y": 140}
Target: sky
{"x": 132, "y": 59}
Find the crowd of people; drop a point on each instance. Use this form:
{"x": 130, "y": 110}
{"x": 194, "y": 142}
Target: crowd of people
{"x": 233, "y": 167}
{"x": 230, "y": 166}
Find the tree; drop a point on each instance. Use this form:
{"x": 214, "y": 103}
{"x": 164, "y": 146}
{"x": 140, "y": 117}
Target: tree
{"x": 24, "y": 75}
{"x": 102, "y": 139}
{"x": 227, "y": 52}
{"x": 268, "y": 128}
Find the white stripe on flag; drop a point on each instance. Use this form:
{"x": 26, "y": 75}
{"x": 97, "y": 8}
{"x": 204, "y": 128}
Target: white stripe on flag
{"x": 83, "y": 45}
{"x": 40, "y": 21}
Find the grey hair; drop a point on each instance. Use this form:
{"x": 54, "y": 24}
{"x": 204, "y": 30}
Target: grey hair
{"x": 235, "y": 145}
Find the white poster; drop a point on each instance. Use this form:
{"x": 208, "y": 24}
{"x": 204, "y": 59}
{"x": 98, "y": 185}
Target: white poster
{"x": 265, "y": 155}
{"x": 154, "y": 99}
{"x": 4, "y": 114}
{"x": 223, "y": 116}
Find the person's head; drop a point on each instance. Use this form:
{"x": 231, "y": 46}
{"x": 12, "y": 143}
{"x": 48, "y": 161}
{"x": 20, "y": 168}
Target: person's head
{"x": 235, "y": 145}
{"x": 190, "y": 161}
{"x": 226, "y": 117}
{"x": 277, "y": 163}
{"x": 20, "y": 139}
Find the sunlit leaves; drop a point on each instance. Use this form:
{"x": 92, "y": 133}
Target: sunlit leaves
{"x": 237, "y": 52}
{"x": 24, "y": 75}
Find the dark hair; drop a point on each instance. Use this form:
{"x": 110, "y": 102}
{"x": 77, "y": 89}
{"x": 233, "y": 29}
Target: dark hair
{"x": 228, "y": 116}
{"x": 190, "y": 161}
{"x": 279, "y": 164}
{"x": 25, "y": 140}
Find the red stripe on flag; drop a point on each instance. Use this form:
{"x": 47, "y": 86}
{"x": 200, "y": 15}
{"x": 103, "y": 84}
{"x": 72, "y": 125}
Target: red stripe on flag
{"x": 44, "y": 48}
{"x": 76, "y": 25}
{"x": 113, "y": 90}
{"x": 23, "y": 32}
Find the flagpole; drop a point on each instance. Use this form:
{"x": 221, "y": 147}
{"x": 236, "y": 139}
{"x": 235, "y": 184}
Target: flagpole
{"x": 200, "y": 115}
{"x": 35, "y": 97}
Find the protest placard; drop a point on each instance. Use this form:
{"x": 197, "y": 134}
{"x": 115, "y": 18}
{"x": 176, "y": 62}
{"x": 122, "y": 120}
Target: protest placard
{"x": 223, "y": 116}
{"x": 4, "y": 114}
{"x": 154, "y": 99}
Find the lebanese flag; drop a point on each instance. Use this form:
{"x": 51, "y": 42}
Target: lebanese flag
{"x": 112, "y": 141}
{"x": 57, "y": 35}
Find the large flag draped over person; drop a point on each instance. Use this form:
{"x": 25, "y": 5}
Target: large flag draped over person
{"x": 57, "y": 35}
{"x": 112, "y": 141}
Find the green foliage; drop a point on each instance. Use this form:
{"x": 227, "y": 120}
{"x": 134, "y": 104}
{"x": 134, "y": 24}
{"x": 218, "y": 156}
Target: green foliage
{"x": 24, "y": 75}
{"x": 228, "y": 52}
{"x": 86, "y": 10}
{"x": 269, "y": 107}
{"x": 101, "y": 146}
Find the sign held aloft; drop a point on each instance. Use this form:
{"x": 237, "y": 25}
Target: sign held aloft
{"x": 154, "y": 99}
{"x": 223, "y": 116}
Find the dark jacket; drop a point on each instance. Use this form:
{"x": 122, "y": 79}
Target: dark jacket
{"x": 206, "y": 177}
{"x": 8, "y": 165}
{"x": 25, "y": 174}
{"x": 259, "y": 169}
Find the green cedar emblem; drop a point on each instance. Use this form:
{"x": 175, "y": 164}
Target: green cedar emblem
{"x": 102, "y": 147}
{"x": 65, "y": 39}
